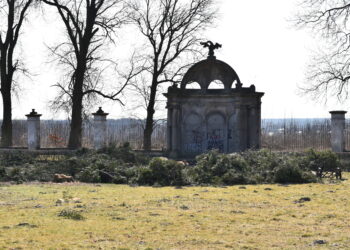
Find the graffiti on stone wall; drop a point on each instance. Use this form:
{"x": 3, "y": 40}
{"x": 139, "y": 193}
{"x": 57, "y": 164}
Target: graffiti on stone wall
{"x": 193, "y": 137}
{"x": 216, "y": 139}
{"x": 215, "y": 132}
{"x": 194, "y": 141}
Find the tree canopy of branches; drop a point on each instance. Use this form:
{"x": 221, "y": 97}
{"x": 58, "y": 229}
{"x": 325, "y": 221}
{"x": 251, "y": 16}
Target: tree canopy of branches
{"x": 12, "y": 16}
{"x": 172, "y": 30}
{"x": 329, "y": 73}
{"x": 89, "y": 25}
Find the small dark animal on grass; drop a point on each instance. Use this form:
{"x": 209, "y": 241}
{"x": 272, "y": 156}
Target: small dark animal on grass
{"x": 338, "y": 174}
{"x": 60, "y": 178}
{"x": 331, "y": 173}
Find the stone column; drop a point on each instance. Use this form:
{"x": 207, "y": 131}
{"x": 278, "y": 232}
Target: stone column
{"x": 169, "y": 128}
{"x": 100, "y": 129}
{"x": 175, "y": 133}
{"x": 259, "y": 125}
{"x": 338, "y": 127}
{"x": 33, "y": 126}
{"x": 243, "y": 129}
{"x": 254, "y": 128}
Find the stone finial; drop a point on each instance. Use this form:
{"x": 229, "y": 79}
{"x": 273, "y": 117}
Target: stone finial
{"x": 212, "y": 47}
{"x": 100, "y": 112}
{"x": 252, "y": 88}
{"x": 239, "y": 85}
{"x": 338, "y": 112}
{"x": 33, "y": 114}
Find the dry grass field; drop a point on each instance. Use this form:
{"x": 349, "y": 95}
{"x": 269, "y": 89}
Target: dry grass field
{"x": 123, "y": 217}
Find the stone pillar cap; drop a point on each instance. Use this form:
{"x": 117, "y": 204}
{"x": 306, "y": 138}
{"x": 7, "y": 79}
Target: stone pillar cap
{"x": 338, "y": 112}
{"x": 33, "y": 114}
{"x": 100, "y": 112}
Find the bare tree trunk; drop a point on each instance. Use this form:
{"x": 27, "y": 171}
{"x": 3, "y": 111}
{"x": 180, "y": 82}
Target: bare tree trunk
{"x": 6, "y": 83}
{"x": 147, "y": 135}
{"x": 15, "y": 13}
{"x": 172, "y": 29}
{"x": 6, "y": 127}
{"x": 76, "y": 132}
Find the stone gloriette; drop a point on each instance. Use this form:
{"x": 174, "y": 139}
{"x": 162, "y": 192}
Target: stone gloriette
{"x": 199, "y": 120}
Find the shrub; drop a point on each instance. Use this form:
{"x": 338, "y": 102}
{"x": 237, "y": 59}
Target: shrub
{"x": 124, "y": 153}
{"x": 15, "y": 174}
{"x": 292, "y": 173}
{"x": 120, "y": 165}
{"x": 233, "y": 177}
{"x": 2, "y": 173}
{"x": 215, "y": 168}
{"x": 326, "y": 160}
{"x": 145, "y": 176}
{"x": 89, "y": 175}
{"x": 71, "y": 214}
{"x": 289, "y": 173}
{"x": 71, "y": 166}
{"x": 15, "y": 159}
{"x": 162, "y": 172}
{"x": 251, "y": 167}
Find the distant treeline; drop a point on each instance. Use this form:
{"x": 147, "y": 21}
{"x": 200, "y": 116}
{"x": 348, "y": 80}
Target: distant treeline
{"x": 277, "y": 134}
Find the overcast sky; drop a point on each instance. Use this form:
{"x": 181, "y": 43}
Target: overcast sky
{"x": 258, "y": 42}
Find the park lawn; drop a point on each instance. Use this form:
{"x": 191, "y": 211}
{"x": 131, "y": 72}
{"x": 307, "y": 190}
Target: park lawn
{"x": 123, "y": 217}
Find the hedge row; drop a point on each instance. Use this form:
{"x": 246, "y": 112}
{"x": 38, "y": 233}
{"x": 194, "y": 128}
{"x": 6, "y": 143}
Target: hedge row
{"x": 121, "y": 165}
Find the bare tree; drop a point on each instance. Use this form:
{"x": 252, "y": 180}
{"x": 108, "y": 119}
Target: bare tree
{"x": 172, "y": 29}
{"x": 329, "y": 72}
{"x": 12, "y": 16}
{"x": 89, "y": 25}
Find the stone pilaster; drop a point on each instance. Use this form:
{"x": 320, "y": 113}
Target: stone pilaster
{"x": 33, "y": 126}
{"x": 175, "y": 133}
{"x": 243, "y": 128}
{"x": 169, "y": 128}
{"x": 254, "y": 124}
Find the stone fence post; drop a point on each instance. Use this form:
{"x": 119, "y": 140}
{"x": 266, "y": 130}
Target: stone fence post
{"x": 33, "y": 126}
{"x": 338, "y": 129}
{"x": 100, "y": 129}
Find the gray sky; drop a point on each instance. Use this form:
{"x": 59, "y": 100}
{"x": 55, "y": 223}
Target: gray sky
{"x": 258, "y": 42}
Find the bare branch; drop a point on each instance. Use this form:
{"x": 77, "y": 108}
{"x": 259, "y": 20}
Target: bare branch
{"x": 172, "y": 29}
{"x": 328, "y": 74}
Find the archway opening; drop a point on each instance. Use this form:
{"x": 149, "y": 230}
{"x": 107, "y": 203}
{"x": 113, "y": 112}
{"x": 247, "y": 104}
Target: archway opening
{"x": 217, "y": 84}
{"x": 193, "y": 85}
{"x": 193, "y": 134}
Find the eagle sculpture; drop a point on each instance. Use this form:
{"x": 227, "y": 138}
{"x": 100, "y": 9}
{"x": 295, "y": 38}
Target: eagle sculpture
{"x": 211, "y": 46}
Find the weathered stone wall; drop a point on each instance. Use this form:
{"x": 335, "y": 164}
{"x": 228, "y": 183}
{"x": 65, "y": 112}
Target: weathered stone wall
{"x": 227, "y": 121}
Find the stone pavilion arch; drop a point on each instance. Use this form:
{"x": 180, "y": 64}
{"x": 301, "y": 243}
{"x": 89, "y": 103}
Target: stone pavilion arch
{"x": 227, "y": 119}
{"x": 209, "y": 70}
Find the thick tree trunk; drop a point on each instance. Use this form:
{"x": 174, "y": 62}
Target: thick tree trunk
{"x": 6, "y": 83}
{"x": 76, "y": 132}
{"x": 6, "y": 127}
{"x": 147, "y": 133}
